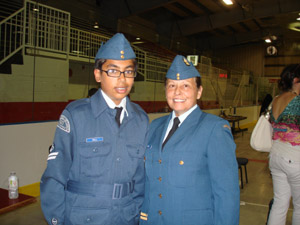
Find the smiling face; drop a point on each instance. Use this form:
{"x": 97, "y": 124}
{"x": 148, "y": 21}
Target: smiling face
{"x": 182, "y": 94}
{"x": 115, "y": 88}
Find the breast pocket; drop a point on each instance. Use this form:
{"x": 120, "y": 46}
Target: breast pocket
{"x": 136, "y": 154}
{"x": 92, "y": 159}
{"x": 182, "y": 169}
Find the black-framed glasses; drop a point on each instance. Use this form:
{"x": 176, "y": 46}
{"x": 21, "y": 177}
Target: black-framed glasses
{"x": 117, "y": 73}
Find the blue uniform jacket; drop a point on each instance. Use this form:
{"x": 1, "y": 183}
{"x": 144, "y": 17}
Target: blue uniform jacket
{"x": 194, "y": 179}
{"x": 95, "y": 170}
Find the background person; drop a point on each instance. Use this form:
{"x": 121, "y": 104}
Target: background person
{"x": 193, "y": 177}
{"x": 95, "y": 170}
{"x": 91, "y": 92}
{"x": 285, "y": 153}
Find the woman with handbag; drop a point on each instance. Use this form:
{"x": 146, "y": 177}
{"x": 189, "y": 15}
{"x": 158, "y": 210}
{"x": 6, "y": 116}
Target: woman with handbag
{"x": 285, "y": 152}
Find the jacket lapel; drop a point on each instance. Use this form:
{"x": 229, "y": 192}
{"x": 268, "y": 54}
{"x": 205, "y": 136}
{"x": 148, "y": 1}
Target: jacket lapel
{"x": 187, "y": 127}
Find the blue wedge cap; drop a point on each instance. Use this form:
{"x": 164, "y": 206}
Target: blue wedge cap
{"x": 117, "y": 48}
{"x": 182, "y": 69}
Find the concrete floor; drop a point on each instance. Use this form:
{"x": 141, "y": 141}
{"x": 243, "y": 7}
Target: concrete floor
{"x": 255, "y": 195}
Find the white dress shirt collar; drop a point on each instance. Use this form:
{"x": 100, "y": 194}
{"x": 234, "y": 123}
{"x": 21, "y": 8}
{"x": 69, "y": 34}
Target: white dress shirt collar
{"x": 112, "y": 105}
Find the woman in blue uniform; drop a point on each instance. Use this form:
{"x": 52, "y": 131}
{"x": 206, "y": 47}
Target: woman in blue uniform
{"x": 192, "y": 175}
{"x": 95, "y": 171}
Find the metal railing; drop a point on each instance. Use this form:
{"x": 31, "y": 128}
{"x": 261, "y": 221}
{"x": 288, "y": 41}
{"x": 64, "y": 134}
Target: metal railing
{"x": 11, "y": 34}
{"x": 46, "y": 28}
{"x": 43, "y": 28}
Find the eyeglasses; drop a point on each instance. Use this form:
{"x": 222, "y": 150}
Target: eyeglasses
{"x": 117, "y": 73}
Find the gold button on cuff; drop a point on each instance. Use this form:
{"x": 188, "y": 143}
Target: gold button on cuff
{"x": 159, "y": 179}
{"x": 159, "y": 161}
{"x": 159, "y": 212}
{"x": 181, "y": 162}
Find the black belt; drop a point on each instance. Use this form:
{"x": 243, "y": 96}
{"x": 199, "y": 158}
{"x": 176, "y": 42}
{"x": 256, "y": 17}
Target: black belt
{"x": 115, "y": 191}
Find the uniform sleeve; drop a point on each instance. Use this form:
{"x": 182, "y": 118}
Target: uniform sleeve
{"x": 223, "y": 171}
{"x": 54, "y": 179}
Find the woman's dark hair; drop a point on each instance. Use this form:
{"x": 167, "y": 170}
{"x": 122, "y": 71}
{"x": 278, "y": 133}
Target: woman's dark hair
{"x": 198, "y": 82}
{"x": 100, "y": 62}
{"x": 287, "y": 76}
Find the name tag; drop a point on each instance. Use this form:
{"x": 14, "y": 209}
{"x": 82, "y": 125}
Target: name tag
{"x": 94, "y": 139}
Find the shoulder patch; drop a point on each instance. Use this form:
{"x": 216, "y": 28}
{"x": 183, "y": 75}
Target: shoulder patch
{"x": 64, "y": 124}
{"x": 226, "y": 126}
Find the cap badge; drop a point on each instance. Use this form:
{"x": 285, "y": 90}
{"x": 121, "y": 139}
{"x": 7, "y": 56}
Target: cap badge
{"x": 122, "y": 54}
{"x": 186, "y": 62}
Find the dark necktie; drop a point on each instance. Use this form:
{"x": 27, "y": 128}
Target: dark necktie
{"x": 176, "y": 122}
{"x": 118, "y": 114}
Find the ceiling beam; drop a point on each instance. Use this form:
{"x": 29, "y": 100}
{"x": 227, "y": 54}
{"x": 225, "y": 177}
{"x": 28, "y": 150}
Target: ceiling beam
{"x": 230, "y": 40}
{"x": 260, "y": 9}
{"x": 138, "y": 6}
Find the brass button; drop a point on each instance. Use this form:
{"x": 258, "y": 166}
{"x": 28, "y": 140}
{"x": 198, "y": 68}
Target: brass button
{"x": 122, "y": 56}
{"x": 144, "y": 158}
{"x": 159, "y": 161}
{"x": 159, "y": 212}
{"x": 159, "y": 178}
{"x": 122, "y": 52}
{"x": 181, "y": 162}
{"x": 160, "y": 195}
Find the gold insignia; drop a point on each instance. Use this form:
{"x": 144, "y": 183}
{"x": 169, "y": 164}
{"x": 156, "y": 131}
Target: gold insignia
{"x": 122, "y": 52}
{"x": 143, "y": 218}
{"x": 226, "y": 126}
{"x": 144, "y": 214}
{"x": 122, "y": 56}
{"x": 178, "y": 76}
{"x": 186, "y": 62}
{"x": 181, "y": 162}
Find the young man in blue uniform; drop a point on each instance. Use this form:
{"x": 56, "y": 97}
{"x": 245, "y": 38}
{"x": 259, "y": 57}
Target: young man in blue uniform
{"x": 95, "y": 171}
{"x": 191, "y": 176}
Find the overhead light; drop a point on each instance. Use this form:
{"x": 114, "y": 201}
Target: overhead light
{"x": 294, "y": 26}
{"x": 298, "y": 18}
{"x": 268, "y": 40}
{"x": 96, "y": 26}
{"x": 35, "y": 9}
{"x": 138, "y": 38}
{"x": 228, "y": 2}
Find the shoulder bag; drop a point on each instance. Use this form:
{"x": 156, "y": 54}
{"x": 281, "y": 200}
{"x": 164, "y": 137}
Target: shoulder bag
{"x": 261, "y": 137}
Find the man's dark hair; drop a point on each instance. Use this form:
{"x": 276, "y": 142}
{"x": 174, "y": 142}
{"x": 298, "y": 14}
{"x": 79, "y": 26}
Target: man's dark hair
{"x": 100, "y": 62}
